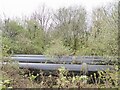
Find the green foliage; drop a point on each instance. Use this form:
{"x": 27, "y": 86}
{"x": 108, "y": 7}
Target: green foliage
{"x": 6, "y": 46}
{"x": 103, "y": 38}
{"x": 106, "y": 79}
{"x": 64, "y": 80}
{"x": 23, "y": 39}
{"x": 57, "y": 48}
{"x": 71, "y": 26}
{"x": 67, "y": 33}
{"x": 33, "y": 77}
{"x": 5, "y": 85}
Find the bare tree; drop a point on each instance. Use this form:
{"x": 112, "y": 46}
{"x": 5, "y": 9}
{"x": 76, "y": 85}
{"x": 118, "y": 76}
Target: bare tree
{"x": 43, "y": 16}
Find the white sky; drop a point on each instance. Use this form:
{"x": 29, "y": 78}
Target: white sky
{"x": 13, "y": 8}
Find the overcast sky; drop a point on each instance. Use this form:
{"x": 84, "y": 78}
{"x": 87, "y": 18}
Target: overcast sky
{"x": 13, "y": 8}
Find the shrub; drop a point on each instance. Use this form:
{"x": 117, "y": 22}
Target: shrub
{"x": 57, "y": 48}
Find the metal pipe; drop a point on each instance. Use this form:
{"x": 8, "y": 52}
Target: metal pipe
{"x": 69, "y": 67}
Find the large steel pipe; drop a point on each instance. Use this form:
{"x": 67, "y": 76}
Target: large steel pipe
{"x": 59, "y": 60}
{"x": 69, "y": 67}
{"x": 26, "y": 55}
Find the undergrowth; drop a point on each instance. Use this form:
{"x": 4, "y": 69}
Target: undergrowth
{"x": 13, "y": 77}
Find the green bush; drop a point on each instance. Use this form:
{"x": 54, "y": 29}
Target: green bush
{"x": 57, "y": 48}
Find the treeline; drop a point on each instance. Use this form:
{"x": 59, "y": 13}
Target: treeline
{"x": 62, "y": 32}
